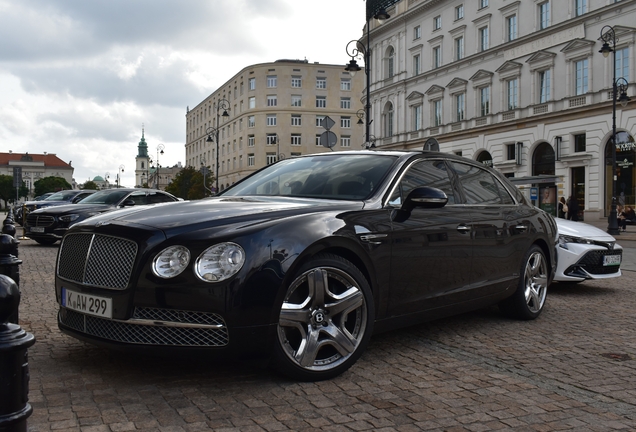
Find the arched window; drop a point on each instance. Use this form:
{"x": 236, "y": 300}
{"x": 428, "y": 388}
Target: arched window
{"x": 485, "y": 158}
{"x": 390, "y": 62}
{"x": 387, "y": 116}
{"x": 543, "y": 160}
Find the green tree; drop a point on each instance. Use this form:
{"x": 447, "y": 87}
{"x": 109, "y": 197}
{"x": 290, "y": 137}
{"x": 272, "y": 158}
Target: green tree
{"x": 188, "y": 184}
{"x": 50, "y": 184}
{"x": 7, "y": 191}
{"x": 90, "y": 184}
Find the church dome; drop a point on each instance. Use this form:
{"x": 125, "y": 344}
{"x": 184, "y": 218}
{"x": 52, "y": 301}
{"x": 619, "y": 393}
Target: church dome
{"x": 98, "y": 179}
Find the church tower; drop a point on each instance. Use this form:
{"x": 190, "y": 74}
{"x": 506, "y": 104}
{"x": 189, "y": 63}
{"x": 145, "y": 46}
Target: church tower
{"x": 142, "y": 162}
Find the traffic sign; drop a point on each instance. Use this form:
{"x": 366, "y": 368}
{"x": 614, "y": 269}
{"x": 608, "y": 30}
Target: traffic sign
{"x": 328, "y": 139}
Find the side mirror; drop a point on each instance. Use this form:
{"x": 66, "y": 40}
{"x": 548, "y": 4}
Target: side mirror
{"x": 423, "y": 197}
{"x": 128, "y": 203}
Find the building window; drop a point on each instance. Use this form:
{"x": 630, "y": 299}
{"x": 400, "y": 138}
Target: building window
{"x": 270, "y": 158}
{"x": 579, "y": 143}
{"x": 581, "y": 77}
{"x": 321, "y": 102}
{"x": 295, "y": 139}
{"x": 271, "y": 81}
{"x": 416, "y": 64}
{"x": 296, "y": 100}
{"x": 272, "y": 100}
{"x": 296, "y": 81}
{"x": 483, "y": 39}
{"x": 388, "y": 120}
{"x": 512, "y": 88}
{"x": 250, "y": 140}
{"x": 511, "y": 24}
{"x": 544, "y": 15}
{"x": 318, "y": 140}
{"x": 460, "y": 100}
{"x": 319, "y": 120}
{"x": 345, "y": 122}
{"x": 437, "y": 57}
{"x": 459, "y": 48}
{"x": 484, "y": 101}
{"x": 390, "y": 62}
{"x": 580, "y": 7}
{"x": 510, "y": 152}
{"x": 417, "y": 32}
{"x": 321, "y": 83}
{"x": 483, "y": 4}
{"x": 252, "y": 102}
{"x": 459, "y": 12}
{"x": 437, "y": 113}
{"x": 345, "y": 141}
{"x": 251, "y": 83}
{"x": 416, "y": 112}
{"x": 251, "y": 122}
{"x": 270, "y": 139}
{"x": 271, "y": 119}
{"x": 345, "y": 84}
{"x": 250, "y": 159}
{"x": 345, "y": 103}
{"x": 622, "y": 63}
{"x": 296, "y": 120}
{"x": 437, "y": 22}
{"x": 544, "y": 86}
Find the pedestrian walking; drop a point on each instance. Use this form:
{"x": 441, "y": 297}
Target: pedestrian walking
{"x": 573, "y": 208}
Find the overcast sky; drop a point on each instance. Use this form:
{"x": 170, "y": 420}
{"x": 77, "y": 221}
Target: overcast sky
{"x": 78, "y": 78}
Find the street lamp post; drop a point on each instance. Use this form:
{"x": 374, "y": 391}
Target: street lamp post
{"x": 119, "y": 172}
{"x": 160, "y": 148}
{"x": 609, "y": 36}
{"x": 221, "y": 105}
{"x": 354, "y": 49}
{"x": 106, "y": 177}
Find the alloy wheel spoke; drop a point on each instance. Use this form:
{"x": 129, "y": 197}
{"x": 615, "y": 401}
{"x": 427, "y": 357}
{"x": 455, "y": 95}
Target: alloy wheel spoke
{"x": 317, "y": 281}
{"x": 340, "y": 339}
{"x": 291, "y": 315}
{"x": 346, "y": 302}
{"x": 308, "y": 349}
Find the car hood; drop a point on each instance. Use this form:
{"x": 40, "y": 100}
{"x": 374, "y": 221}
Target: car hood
{"x": 580, "y": 229}
{"x": 73, "y": 208}
{"x": 218, "y": 211}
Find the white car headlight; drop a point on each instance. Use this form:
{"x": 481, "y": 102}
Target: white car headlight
{"x": 565, "y": 239}
{"x": 219, "y": 262}
{"x": 171, "y": 261}
{"x": 69, "y": 218}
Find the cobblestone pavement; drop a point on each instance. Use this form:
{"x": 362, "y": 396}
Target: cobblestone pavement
{"x": 572, "y": 369}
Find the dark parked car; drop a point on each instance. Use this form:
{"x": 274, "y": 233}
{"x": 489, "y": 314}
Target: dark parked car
{"x": 48, "y": 225}
{"x": 306, "y": 258}
{"x": 58, "y": 198}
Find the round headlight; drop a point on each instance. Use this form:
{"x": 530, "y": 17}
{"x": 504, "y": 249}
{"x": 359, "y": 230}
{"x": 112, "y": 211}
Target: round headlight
{"x": 171, "y": 261}
{"x": 219, "y": 262}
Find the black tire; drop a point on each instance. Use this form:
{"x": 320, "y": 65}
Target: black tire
{"x": 325, "y": 320}
{"x": 45, "y": 242}
{"x": 528, "y": 300}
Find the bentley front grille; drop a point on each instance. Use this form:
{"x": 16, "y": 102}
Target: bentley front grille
{"x": 97, "y": 260}
{"x": 191, "y": 329}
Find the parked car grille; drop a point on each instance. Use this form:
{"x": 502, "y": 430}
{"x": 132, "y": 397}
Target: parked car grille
{"x": 148, "y": 334}
{"x": 96, "y": 260}
{"x": 35, "y": 220}
{"x": 592, "y": 262}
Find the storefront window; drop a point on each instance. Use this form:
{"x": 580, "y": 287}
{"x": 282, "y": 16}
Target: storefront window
{"x": 485, "y": 158}
{"x": 543, "y": 164}
{"x": 625, "y": 173}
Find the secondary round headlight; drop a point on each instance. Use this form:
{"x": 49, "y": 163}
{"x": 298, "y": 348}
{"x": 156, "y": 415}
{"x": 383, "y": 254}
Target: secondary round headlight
{"x": 171, "y": 261}
{"x": 219, "y": 262}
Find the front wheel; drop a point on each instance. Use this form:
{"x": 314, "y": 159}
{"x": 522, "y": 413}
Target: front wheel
{"x": 528, "y": 300}
{"x": 325, "y": 320}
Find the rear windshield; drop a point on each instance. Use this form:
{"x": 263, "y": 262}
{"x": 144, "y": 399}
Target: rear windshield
{"x": 332, "y": 176}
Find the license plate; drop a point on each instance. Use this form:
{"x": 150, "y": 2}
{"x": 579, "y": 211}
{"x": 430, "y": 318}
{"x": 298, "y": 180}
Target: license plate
{"x": 611, "y": 260}
{"x": 37, "y": 229}
{"x": 88, "y": 304}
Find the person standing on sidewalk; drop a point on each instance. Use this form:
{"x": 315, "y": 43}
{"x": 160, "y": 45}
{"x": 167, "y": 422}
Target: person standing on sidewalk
{"x": 573, "y": 209}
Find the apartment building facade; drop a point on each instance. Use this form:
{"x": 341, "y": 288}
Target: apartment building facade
{"x": 518, "y": 85}
{"x": 271, "y": 111}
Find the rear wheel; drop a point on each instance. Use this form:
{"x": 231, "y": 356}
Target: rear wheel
{"x": 325, "y": 320}
{"x": 46, "y": 241}
{"x": 528, "y": 300}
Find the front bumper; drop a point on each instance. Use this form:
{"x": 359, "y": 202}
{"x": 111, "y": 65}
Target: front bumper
{"x": 580, "y": 262}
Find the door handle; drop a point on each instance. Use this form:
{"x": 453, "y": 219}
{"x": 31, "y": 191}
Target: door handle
{"x": 464, "y": 229}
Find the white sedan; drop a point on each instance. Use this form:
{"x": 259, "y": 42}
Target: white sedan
{"x": 586, "y": 252}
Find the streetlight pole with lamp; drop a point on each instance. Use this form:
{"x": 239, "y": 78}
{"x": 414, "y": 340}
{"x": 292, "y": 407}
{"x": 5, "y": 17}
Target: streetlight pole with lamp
{"x": 354, "y": 51}
{"x": 160, "y": 148}
{"x": 119, "y": 172}
{"x": 224, "y": 105}
{"x": 609, "y": 35}
{"x": 106, "y": 177}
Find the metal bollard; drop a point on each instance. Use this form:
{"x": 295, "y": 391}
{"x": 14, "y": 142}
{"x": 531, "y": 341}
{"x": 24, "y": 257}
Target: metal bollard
{"x": 14, "y": 364}
{"x": 10, "y": 265}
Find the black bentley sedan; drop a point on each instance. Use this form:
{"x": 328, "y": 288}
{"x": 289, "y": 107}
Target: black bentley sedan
{"x": 305, "y": 259}
{"x": 48, "y": 225}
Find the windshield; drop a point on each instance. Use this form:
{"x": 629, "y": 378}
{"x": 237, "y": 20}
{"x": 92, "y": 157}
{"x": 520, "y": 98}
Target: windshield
{"x": 62, "y": 195}
{"x": 110, "y": 196}
{"x": 330, "y": 176}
